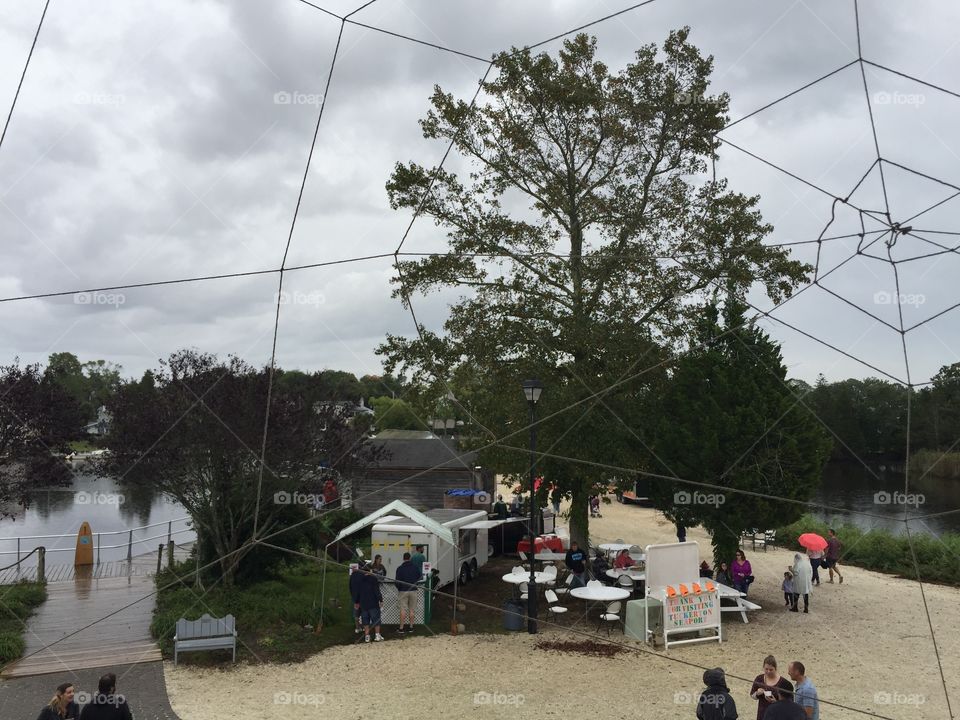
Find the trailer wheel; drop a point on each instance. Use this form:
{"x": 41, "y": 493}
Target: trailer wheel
{"x": 491, "y": 551}
{"x": 464, "y": 574}
{"x": 474, "y": 570}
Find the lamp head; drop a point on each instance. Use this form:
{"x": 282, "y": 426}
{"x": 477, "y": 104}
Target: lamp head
{"x": 532, "y": 390}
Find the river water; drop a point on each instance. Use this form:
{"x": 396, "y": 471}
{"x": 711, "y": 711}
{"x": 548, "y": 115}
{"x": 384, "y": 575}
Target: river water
{"x": 874, "y": 497}
{"x": 107, "y": 505}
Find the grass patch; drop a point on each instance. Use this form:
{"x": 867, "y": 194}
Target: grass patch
{"x": 17, "y": 603}
{"x": 937, "y": 558}
{"x": 82, "y": 446}
{"x": 272, "y": 615}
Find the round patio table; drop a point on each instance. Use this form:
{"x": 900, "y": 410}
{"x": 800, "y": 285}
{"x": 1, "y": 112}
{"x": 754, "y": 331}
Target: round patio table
{"x": 636, "y": 575}
{"x": 540, "y": 577}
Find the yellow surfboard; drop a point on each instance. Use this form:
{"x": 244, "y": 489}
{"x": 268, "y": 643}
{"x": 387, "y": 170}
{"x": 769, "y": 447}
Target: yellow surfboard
{"x": 84, "y": 546}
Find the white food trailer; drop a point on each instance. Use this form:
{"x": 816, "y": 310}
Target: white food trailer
{"x": 393, "y": 536}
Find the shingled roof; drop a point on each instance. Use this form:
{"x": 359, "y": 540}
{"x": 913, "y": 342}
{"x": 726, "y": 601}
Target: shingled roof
{"x": 421, "y": 449}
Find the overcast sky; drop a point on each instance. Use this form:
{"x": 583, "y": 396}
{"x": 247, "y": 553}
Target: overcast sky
{"x": 158, "y": 141}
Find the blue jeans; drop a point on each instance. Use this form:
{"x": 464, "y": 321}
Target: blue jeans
{"x": 741, "y": 585}
{"x": 370, "y": 616}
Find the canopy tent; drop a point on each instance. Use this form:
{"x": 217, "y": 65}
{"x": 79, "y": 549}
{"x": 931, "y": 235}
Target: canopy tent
{"x": 394, "y": 508}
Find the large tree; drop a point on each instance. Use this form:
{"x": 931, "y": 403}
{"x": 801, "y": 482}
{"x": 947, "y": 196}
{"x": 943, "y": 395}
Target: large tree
{"x": 193, "y": 430}
{"x": 586, "y": 232}
{"x": 728, "y": 419}
{"x": 37, "y": 419}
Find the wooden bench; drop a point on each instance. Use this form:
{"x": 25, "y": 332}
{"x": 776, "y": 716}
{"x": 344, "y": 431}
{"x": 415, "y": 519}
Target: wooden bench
{"x": 206, "y": 633}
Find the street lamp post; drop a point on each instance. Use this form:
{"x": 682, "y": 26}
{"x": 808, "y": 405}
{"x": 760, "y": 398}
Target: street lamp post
{"x": 532, "y": 390}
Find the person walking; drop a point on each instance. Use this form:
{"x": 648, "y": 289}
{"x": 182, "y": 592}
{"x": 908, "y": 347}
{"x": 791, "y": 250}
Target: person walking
{"x": 407, "y": 579}
{"x": 787, "y": 587}
{"x": 370, "y": 602}
{"x": 802, "y": 582}
{"x": 356, "y": 578}
{"x": 681, "y": 532}
{"x": 816, "y": 561}
{"x": 715, "y": 701}
{"x": 555, "y": 499}
{"x": 418, "y": 559}
{"x": 576, "y": 562}
{"x": 804, "y": 693}
{"x": 833, "y": 555}
{"x": 61, "y": 705}
{"x": 741, "y": 572}
{"x": 769, "y": 687}
{"x": 107, "y": 704}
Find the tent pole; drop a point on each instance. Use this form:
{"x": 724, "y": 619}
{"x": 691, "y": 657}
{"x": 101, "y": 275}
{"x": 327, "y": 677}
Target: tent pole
{"x": 456, "y": 582}
{"x": 323, "y": 586}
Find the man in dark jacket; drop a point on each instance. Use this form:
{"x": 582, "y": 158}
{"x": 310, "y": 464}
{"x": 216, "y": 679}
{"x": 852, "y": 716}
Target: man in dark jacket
{"x": 407, "y": 578}
{"x": 106, "y": 704}
{"x": 576, "y": 561}
{"x": 715, "y": 701}
{"x": 356, "y": 577}
{"x": 369, "y": 602}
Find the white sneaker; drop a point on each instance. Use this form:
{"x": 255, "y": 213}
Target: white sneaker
{"x": 378, "y": 638}
{"x": 366, "y": 638}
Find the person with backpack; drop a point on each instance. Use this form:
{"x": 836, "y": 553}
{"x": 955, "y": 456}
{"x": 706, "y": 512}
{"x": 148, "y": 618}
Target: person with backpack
{"x": 369, "y": 602}
{"x": 715, "y": 701}
{"x": 107, "y": 704}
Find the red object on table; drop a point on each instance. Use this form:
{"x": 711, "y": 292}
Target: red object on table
{"x": 551, "y": 544}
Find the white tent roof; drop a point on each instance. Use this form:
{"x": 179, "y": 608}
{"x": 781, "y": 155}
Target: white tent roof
{"x": 398, "y": 507}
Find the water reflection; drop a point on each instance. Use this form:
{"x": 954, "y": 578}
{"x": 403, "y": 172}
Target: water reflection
{"x": 107, "y": 504}
{"x": 876, "y": 496}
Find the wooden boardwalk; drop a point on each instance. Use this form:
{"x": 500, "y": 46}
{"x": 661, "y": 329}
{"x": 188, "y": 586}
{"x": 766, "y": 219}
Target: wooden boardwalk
{"x": 93, "y": 617}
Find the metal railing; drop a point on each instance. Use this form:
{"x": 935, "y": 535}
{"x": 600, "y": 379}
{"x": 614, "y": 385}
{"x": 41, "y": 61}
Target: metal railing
{"x": 169, "y": 535}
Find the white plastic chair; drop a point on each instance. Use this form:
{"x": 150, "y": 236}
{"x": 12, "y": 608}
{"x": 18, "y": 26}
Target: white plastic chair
{"x": 626, "y": 582}
{"x": 556, "y": 610}
{"x": 523, "y": 590}
{"x": 519, "y": 570}
{"x": 594, "y": 584}
{"x": 611, "y": 615}
{"x": 567, "y": 583}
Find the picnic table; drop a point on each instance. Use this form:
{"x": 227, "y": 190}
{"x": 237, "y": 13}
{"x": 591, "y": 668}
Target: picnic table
{"x": 633, "y": 574}
{"x": 741, "y": 604}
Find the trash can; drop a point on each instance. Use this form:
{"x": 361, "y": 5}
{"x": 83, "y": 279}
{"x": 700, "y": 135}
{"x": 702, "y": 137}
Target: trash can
{"x": 514, "y": 615}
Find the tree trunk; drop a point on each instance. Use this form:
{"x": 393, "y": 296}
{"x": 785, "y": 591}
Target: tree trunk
{"x": 579, "y": 515}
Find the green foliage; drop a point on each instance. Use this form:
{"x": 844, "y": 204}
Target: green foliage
{"x": 937, "y": 558}
{"x": 936, "y": 464}
{"x": 270, "y": 615}
{"x": 727, "y": 418}
{"x": 395, "y": 415}
{"x": 17, "y": 603}
{"x": 572, "y": 288}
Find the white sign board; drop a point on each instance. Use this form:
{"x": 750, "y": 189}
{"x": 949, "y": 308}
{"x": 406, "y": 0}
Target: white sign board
{"x": 691, "y": 611}
{"x": 668, "y": 567}
{"x": 672, "y": 564}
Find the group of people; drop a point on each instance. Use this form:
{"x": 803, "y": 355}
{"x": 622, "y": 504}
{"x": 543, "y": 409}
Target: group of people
{"x": 367, "y": 596}
{"x": 106, "y": 704}
{"x": 778, "y": 698}
{"x": 798, "y": 580}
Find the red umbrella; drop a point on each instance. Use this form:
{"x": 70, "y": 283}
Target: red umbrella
{"x": 812, "y": 541}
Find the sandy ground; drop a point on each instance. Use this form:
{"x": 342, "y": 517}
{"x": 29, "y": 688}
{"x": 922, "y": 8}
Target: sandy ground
{"x": 866, "y": 645}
